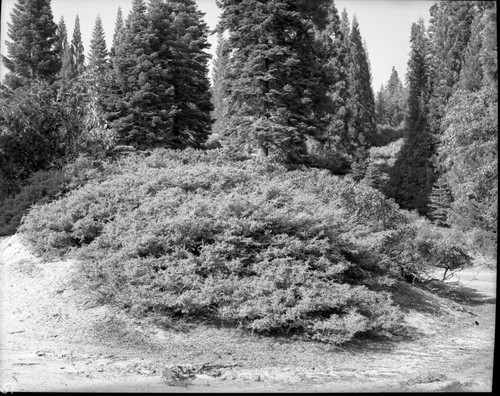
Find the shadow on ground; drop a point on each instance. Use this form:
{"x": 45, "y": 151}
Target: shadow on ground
{"x": 459, "y": 293}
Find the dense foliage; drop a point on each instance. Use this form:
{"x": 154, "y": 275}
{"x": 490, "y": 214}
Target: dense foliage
{"x": 32, "y": 47}
{"x": 196, "y": 234}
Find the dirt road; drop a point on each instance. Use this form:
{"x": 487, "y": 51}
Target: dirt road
{"x": 52, "y": 339}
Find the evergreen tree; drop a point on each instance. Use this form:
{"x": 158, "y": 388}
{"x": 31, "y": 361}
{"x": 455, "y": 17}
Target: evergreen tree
{"x": 412, "y": 176}
{"x": 390, "y": 104}
{"x": 219, "y": 90}
{"x": 274, "y": 79}
{"x": 98, "y": 56}
{"x": 188, "y": 65}
{"x": 139, "y": 104}
{"x": 471, "y": 75}
{"x": 118, "y": 31}
{"x": 351, "y": 140}
{"x": 77, "y": 50}
{"x": 489, "y": 53}
{"x": 33, "y": 51}
{"x": 66, "y": 74}
{"x": 381, "y": 111}
{"x": 449, "y": 33}
{"x": 363, "y": 101}
{"x": 440, "y": 202}
{"x": 62, "y": 36}
{"x": 374, "y": 176}
{"x": 468, "y": 155}
{"x": 333, "y": 54}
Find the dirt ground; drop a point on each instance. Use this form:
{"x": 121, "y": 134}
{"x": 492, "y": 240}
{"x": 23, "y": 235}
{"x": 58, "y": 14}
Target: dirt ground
{"x": 53, "y": 339}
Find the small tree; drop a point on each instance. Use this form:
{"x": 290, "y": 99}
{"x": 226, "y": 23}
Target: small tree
{"x": 440, "y": 202}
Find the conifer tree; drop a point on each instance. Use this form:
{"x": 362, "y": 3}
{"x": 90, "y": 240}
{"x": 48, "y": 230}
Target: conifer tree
{"x": 62, "y": 36}
{"x": 381, "y": 111}
{"x": 412, "y": 176}
{"x": 118, "y": 31}
{"x": 273, "y": 76}
{"x": 139, "y": 104}
{"x": 98, "y": 56}
{"x": 219, "y": 89}
{"x": 66, "y": 74}
{"x": 333, "y": 54}
{"x": 33, "y": 51}
{"x": 188, "y": 66}
{"x": 396, "y": 99}
{"x": 77, "y": 50}
{"x": 440, "y": 202}
{"x": 471, "y": 75}
{"x": 363, "y": 101}
{"x": 374, "y": 176}
{"x": 351, "y": 140}
{"x": 449, "y": 34}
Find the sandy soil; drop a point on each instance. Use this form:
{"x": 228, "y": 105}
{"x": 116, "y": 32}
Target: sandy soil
{"x": 53, "y": 339}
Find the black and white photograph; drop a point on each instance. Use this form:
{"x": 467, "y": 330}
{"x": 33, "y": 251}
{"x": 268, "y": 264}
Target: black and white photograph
{"x": 235, "y": 196}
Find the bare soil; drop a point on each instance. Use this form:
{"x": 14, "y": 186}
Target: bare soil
{"x": 53, "y": 339}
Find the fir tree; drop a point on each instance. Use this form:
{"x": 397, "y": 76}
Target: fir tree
{"x": 471, "y": 75}
{"x": 62, "y": 36}
{"x": 412, "y": 176}
{"x": 440, "y": 202}
{"x": 334, "y": 55}
{"x": 396, "y": 98}
{"x": 98, "y": 56}
{"x": 449, "y": 33}
{"x": 66, "y": 74}
{"x": 468, "y": 155}
{"x": 381, "y": 105}
{"x": 77, "y": 50}
{"x": 219, "y": 90}
{"x": 188, "y": 65}
{"x": 374, "y": 176}
{"x": 273, "y": 76}
{"x": 117, "y": 33}
{"x": 363, "y": 101}
{"x": 139, "y": 104}
{"x": 33, "y": 51}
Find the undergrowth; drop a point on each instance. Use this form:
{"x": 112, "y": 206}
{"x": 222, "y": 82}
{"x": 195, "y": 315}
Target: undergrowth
{"x": 198, "y": 234}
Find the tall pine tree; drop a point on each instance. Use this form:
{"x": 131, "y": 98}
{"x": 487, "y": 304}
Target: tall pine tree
{"x": 188, "y": 65}
{"x": 412, "y": 176}
{"x": 98, "y": 56}
{"x": 66, "y": 74}
{"x": 363, "y": 101}
{"x": 391, "y": 102}
{"x": 468, "y": 149}
{"x": 219, "y": 90}
{"x": 33, "y": 51}
{"x": 449, "y": 34}
{"x": 139, "y": 104}
{"x": 330, "y": 146}
{"x": 117, "y": 34}
{"x": 273, "y": 77}
{"x": 77, "y": 50}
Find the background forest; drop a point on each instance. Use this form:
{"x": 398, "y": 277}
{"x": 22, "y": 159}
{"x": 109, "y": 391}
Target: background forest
{"x": 283, "y": 194}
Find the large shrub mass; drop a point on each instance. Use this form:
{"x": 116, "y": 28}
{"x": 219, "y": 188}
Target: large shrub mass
{"x": 197, "y": 234}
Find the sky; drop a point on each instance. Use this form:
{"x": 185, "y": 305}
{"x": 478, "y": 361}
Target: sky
{"x": 384, "y": 25}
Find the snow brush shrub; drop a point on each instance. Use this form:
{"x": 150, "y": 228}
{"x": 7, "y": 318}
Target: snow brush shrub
{"x": 201, "y": 235}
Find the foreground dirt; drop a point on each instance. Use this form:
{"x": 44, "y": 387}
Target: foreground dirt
{"x": 52, "y": 339}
